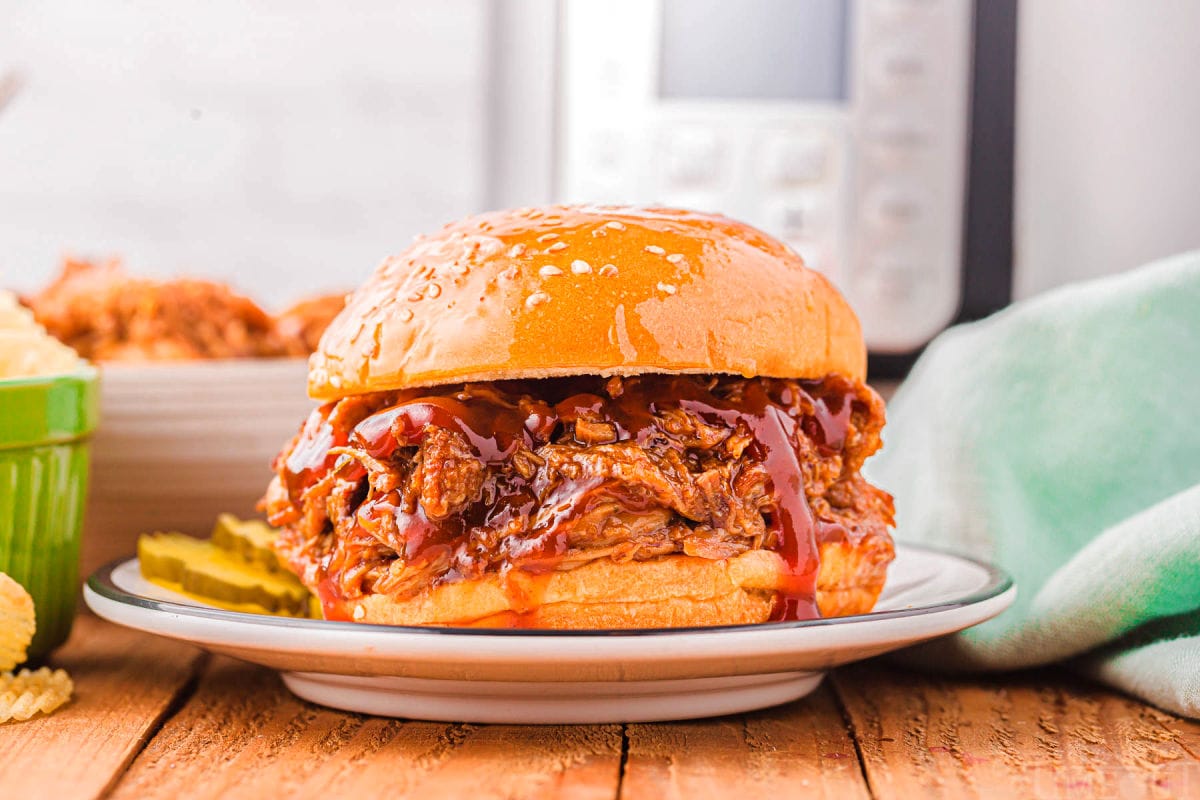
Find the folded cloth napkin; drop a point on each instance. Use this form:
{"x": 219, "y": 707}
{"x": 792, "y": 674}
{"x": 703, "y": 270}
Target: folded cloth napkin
{"x": 1060, "y": 439}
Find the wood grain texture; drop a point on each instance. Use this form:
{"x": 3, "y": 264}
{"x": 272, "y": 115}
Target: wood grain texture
{"x": 1041, "y": 734}
{"x": 873, "y": 730}
{"x": 125, "y": 683}
{"x": 242, "y": 735}
{"x": 800, "y": 750}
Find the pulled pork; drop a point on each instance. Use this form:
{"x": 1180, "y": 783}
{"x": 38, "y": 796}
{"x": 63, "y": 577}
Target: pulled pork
{"x": 108, "y": 315}
{"x": 300, "y": 326}
{"x": 393, "y": 492}
{"x": 105, "y": 314}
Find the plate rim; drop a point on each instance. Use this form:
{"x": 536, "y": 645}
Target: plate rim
{"x": 997, "y": 583}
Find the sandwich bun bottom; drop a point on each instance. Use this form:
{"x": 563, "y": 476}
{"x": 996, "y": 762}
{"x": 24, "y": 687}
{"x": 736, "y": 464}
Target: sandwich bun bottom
{"x": 666, "y": 592}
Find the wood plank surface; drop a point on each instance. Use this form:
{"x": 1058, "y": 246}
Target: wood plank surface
{"x": 143, "y": 726}
{"x": 1040, "y": 734}
{"x": 800, "y": 750}
{"x": 125, "y": 683}
{"x": 242, "y": 735}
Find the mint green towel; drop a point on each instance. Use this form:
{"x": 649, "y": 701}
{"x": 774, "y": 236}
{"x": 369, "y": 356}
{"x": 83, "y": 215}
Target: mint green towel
{"x": 1060, "y": 439}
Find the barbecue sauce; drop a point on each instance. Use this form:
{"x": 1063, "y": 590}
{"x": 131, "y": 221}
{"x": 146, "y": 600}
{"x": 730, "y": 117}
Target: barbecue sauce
{"x": 333, "y": 606}
{"x": 496, "y": 420}
{"x": 310, "y": 458}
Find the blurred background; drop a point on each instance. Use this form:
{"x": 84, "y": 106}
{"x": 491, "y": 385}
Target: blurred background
{"x": 935, "y": 157}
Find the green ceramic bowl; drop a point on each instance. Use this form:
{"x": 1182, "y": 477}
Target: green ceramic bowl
{"x": 44, "y": 427}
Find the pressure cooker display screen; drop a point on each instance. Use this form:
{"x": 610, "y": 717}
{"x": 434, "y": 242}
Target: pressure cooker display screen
{"x": 754, "y": 49}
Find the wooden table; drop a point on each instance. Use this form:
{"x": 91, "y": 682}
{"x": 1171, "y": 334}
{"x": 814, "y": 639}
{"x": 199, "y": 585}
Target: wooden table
{"x": 156, "y": 719}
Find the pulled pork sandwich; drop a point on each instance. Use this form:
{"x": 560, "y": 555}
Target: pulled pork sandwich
{"x": 574, "y": 417}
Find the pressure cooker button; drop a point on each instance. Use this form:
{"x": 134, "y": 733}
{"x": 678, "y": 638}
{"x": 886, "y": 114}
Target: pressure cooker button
{"x": 690, "y": 157}
{"x": 895, "y": 136}
{"x": 892, "y": 277}
{"x": 792, "y": 159}
{"x": 898, "y": 69}
{"x": 798, "y": 216}
{"x": 893, "y": 208}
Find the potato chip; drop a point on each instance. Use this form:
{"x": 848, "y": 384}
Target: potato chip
{"x": 29, "y": 692}
{"x": 17, "y": 622}
{"x": 26, "y": 349}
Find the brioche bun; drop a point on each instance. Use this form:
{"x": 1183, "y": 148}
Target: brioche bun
{"x": 556, "y": 291}
{"x": 667, "y": 592}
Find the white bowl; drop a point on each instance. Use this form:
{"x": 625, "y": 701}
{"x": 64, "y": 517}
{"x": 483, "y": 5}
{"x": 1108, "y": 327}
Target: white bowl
{"x": 179, "y": 443}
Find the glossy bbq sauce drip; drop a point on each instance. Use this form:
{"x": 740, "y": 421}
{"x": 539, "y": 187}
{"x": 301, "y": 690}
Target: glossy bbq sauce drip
{"x": 791, "y": 520}
{"x": 310, "y": 458}
{"x": 333, "y": 606}
{"x": 496, "y": 423}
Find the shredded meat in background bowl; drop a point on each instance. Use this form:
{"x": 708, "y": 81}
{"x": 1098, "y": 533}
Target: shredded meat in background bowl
{"x": 394, "y": 492}
{"x": 300, "y": 326}
{"x": 105, "y": 314}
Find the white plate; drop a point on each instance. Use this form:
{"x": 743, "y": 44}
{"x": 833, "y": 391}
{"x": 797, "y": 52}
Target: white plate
{"x": 524, "y": 676}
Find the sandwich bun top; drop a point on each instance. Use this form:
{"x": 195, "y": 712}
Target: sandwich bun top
{"x": 587, "y": 290}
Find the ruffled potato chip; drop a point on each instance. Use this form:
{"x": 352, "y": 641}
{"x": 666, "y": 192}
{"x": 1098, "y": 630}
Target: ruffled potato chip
{"x": 17, "y": 622}
{"x": 31, "y": 692}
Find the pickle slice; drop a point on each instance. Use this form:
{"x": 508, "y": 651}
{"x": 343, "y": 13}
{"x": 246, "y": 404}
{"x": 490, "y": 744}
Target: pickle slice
{"x": 212, "y": 575}
{"x": 230, "y": 581}
{"x": 166, "y": 555}
{"x": 248, "y": 539}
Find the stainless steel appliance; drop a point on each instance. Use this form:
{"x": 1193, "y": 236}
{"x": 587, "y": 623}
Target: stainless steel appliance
{"x": 841, "y": 127}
